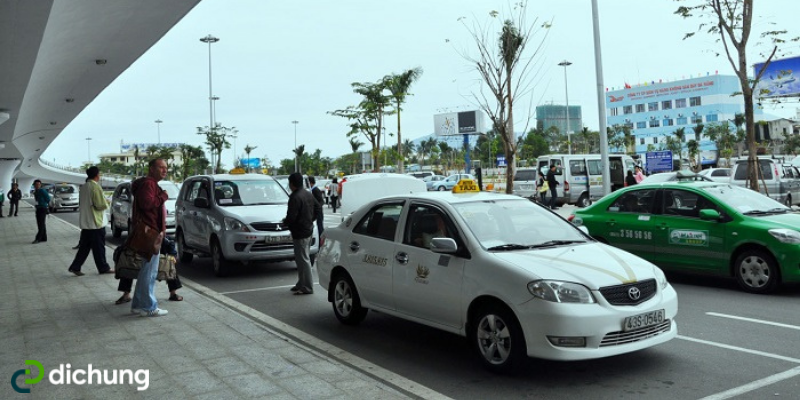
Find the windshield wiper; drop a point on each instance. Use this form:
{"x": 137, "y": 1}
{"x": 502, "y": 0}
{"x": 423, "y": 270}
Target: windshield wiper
{"x": 766, "y": 212}
{"x": 509, "y": 247}
{"x": 553, "y": 243}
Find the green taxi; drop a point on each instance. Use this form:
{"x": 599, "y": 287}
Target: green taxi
{"x": 703, "y": 227}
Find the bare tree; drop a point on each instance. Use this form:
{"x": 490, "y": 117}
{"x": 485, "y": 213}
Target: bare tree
{"x": 731, "y": 22}
{"x": 506, "y": 71}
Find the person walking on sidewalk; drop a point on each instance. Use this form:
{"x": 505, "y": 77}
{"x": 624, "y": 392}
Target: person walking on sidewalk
{"x": 300, "y": 218}
{"x": 148, "y": 208}
{"x": 14, "y": 196}
{"x": 552, "y": 183}
{"x": 92, "y": 205}
{"x": 2, "y": 200}
{"x": 319, "y": 198}
{"x": 42, "y": 202}
{"x": 334, "y": 193}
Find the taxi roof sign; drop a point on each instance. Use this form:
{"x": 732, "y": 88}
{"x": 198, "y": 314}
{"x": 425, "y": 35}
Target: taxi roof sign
{"x": 237, "y": 171}
{"x": 466, "y": 186}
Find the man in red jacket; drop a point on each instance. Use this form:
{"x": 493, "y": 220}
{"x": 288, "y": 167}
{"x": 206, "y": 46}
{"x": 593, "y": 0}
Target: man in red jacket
{"x": 148, "y": 209}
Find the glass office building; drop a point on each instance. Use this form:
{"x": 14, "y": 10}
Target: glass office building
{"x": 556, "y": 115}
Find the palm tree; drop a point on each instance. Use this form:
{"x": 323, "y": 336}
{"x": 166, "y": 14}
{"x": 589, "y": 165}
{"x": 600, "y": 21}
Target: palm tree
{"x": 398, "y": 85}
{"x": 408, "y": 148}
{"x": 299, "y": 152}
{"x": 247, "y": 150}
{"x": 680, "y": 133}
{"x": 698, "y": 132}
{"x": 445, "y": 148}
{"x": 586, "y": 136}
{"x": 354, "y": 145}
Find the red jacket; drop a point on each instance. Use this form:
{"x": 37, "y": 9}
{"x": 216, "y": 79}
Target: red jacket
{"x": 148, "y": 203}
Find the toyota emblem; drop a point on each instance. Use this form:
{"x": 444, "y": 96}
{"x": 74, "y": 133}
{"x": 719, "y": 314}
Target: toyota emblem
{"x": 634, "y": 293}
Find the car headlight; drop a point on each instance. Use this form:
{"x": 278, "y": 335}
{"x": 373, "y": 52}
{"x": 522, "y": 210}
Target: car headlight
{"x": 660, "y": 278}
{"x": 561, "y": 292}
{"x": 786, "y": 235}
{"x": 232, "y": 224}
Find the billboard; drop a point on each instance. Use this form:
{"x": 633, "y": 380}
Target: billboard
{"x": 778, "y": 80}
{"x": 250, "y": 162}
{"x": 126, "y": 147}
{"x": 461, "y": 123}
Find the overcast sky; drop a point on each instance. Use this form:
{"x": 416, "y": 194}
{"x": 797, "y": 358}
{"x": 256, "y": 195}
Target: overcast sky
{"x": 279, "y": 61}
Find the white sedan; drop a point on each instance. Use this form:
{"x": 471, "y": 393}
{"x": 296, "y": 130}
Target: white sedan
{"x": 515, "y": 278}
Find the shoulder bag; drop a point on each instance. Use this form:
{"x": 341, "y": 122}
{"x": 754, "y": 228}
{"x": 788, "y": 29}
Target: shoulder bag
{"x": 144, "y": 239}
{"x": 166, "y": 268}
{"x": 127, "y": 263}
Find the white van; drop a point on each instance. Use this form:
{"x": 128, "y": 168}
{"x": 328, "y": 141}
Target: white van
{"x": 580, "y": 177}
{"x": 781, "y": 182}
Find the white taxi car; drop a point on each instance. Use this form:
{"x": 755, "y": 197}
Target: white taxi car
{"x": 510, "y": 275}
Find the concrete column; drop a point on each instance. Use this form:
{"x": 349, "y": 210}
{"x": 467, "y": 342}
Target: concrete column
{"x": 6, "y": 173}
{"x": 25, "y": 186}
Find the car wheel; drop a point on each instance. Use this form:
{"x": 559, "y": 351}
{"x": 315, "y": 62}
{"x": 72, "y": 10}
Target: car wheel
{"x": 756, "y": 271}
{"x": 584, "y": 201}
{"x": 346, "y": 302}
{"x": 184, "y": 256}
{"x": 498, "y": 339}
{"x": 115, "y": 231}
{"x": 218, "y": 261}
{"x": 441, "y": 188}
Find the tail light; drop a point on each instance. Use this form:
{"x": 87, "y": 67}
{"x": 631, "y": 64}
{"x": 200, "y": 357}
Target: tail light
{"x": 321, "y": 240}
{"x": 566, "y": 186}
{"x": 571, "y": 217}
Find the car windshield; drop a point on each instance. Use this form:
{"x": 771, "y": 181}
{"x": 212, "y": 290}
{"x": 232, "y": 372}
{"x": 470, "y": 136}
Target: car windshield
{"x": 745, "y": 201}
{"x": 512, "y": 224}
{"x": 65, "y": 189}
{"x": 249, "y": 193}
{"x": 171, "y": 189}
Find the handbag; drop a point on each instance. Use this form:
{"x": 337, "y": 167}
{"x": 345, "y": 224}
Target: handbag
{"x": 127, "y": 263}
{"x": 544, "y": 188}
{"x": 166, "y": 268}
{"x": 144, "y": 239}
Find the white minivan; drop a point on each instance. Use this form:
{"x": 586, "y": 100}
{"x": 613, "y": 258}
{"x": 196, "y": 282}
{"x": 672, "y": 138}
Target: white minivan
{"x": 580, "y": 176}
{"x": 781, "y": 182}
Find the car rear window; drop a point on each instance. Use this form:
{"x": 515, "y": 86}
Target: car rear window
{"x": 525, "y": 175}
{"x": 741, "y": 170}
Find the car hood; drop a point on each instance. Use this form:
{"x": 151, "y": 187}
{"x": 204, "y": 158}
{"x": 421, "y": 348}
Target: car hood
{"x": 594, "y": 265}
{"x": 260, "y": 213}
{"x": 790, "y": 220}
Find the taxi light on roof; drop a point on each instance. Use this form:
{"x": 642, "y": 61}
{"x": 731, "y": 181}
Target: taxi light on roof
{"x": 237, "y": 171}
{"x": 466, "y": 186}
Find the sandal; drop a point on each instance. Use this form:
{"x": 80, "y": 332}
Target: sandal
{"x": 122, "y": 300}
{"x": 175, "y": 297}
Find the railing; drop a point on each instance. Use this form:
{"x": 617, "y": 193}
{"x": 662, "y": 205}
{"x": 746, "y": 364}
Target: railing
{"x": 106, "y": 180}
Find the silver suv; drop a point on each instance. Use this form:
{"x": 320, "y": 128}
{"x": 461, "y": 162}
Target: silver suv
{"x": 234, "y": 218}
{"x": 122, "y": 207}
{"x": 64, "y": 196}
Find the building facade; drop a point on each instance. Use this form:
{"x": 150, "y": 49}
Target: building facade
{"x": 655, "y": 111}
{"x": 553, "y": 115}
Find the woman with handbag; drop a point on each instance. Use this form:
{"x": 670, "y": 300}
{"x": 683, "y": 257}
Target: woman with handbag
{"x": 146, "y": 234}
{"x": 541, "y": 188}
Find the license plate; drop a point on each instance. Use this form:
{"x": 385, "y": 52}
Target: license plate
{"x": 643, "y": 320}
{"x": 279, "y": 239}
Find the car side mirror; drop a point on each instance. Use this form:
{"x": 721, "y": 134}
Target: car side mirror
{"x": 443, "y": 245}
{"x": 123, "y": 197}
{"x": 708, "y": 214}
{"x": 201, "y": 202}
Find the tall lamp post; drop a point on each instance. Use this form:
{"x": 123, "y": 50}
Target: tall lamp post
{"x": 295, "y": 122}
{"x": 158, "y": 124}
{"x": 566, "y": 64}
{"x": 210, "y": 39}
{"x": 88, "y": 150}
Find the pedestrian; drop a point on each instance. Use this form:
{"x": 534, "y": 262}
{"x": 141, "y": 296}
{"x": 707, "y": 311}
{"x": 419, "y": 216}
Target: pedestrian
{"x": 42, "y": 202}
{"x": 334, "y": 193}
{"x": 639, "y": 174}
{"x": 541, "y": 188}
{"x": 2, "y": 200}
{"x": 319, "y": 199}
{"x": 148, "y": 209}
{"x": 14, "y": 196}
{"x": 630, "y": 180}
{"x": 300, "y": 218}
{"x": 125, "y": 284}
{"x": 552, "y": 183}
{"x": 92, "y": 205}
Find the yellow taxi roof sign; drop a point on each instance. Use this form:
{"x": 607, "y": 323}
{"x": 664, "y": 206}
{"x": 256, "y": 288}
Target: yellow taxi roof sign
{"x": 237, "y": 171}
{"x": 466, "y": 186}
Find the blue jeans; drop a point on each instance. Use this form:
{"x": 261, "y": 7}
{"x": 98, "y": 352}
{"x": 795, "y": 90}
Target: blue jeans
{"x": 144, "y": 297}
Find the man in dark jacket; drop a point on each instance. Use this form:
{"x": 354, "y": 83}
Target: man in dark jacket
{"x": 552, "y": 182}
{"x": 320, "y": 200}
{"x": 300, "y": 219}
{"x": 14, "y": 196}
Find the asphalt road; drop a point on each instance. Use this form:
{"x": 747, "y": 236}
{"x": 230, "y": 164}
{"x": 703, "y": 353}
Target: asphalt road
{"x": 730, "y": 344}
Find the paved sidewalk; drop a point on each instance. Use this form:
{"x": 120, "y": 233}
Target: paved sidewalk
{"x": 205, "y": 347}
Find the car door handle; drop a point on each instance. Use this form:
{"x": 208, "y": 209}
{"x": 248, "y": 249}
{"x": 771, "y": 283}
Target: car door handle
{"x": 354, "y": 246}
{"x": 401, "y": 257}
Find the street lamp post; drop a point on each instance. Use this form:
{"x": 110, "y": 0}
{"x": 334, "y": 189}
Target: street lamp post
{"x": 210, "y": 39}
{"x": 88, "y": 150}
{"x": 235, "y": 156}
{"x": 158, "y": 124}
{"x": 295, "y": 122}
{"x": 566, "y": 64}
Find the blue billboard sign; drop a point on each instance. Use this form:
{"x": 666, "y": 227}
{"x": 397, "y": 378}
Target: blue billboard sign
{"x": 250, "y": 162}
{"x": 778, "y": 79}
{"x": 658, "y": 161}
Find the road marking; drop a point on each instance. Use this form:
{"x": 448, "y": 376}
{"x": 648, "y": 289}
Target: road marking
{"x": 758, "y": 321}
{"x": 742, "y": 349}
{"x": 754, "y": 385}
{"x": 261, "y": 289}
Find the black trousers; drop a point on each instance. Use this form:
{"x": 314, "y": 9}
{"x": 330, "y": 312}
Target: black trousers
{"x": 125, "y": 285}
{"x": 41, "y": 218}
{"x": 553, "y": 196}
{"x": 13, "y": 208}
{"x": 93, "y": 240}
{"x": 334, "y": 202}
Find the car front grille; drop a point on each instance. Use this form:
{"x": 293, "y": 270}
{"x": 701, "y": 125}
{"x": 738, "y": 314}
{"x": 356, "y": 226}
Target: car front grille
{"x": 269, "y": 226}
{"x": 261, "y": 246}
{"x": 620, "y": 295}
{"x": 620, "y": 337}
